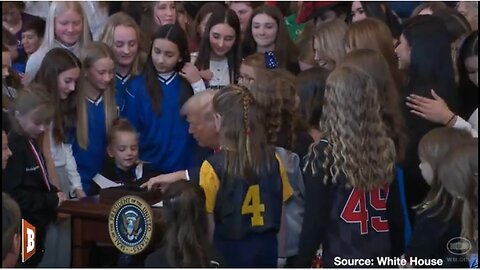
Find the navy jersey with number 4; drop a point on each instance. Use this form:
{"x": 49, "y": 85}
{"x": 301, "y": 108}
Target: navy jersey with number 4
{"x": 241, "y": 207}
{"x": 247, "y": 212}
{"x": 348, "y": 222}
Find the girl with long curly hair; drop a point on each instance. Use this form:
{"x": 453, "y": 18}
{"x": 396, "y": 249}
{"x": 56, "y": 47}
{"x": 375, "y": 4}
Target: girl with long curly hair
{"x": 350, "y": 200}
{"x": 375, "y": 65}
{"x": 275, "y": 93}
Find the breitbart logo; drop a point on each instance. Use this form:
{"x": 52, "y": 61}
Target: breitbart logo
{"x": 28, "y": 240}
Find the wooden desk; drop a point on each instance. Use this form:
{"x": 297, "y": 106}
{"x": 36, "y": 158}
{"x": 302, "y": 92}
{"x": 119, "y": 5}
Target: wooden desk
{"x": 89, "y": 226}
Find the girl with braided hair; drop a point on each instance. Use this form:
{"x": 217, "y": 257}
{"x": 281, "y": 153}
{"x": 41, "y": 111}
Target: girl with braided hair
{"x": 245, "y": 184}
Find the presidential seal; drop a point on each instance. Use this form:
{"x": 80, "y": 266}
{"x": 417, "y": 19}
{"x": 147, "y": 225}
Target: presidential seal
{"x": 130, "y": 224}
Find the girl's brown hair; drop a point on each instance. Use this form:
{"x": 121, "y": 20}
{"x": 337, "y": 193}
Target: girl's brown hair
{"x": 274, "y": 92}
{"x": 242, "y": 133}
{"x": 8, "y": 38}
{"x": 458, "y": 173}
{"x": 433, "y": 148}
{"x": 285, "y": 49}
{"x": 17, "y": 4}
{"x": 186, "y": 238}
{"x": 373, "y": 63}
{"x": 359, "y": 147}
{"x": 374, "y": 34}
{"x": 304, "y": 44}
{"x": 123, "y": 19}
{"x": 33, "y": 97}
{"x": 434, "y": 6}
{"x": 10, "y": 85}
{"x": 56, "y": 61}
{"x": 175, "y": 34}
{"x": 188, "y": 28}
{"x": 208, "y": 7}
{"x": 89, "y": 56}
{"x": 256, "y": 60}
{"x": 35, "y": 24}
{"x": 310, "y": 85}
{"x": 234, "y": 58}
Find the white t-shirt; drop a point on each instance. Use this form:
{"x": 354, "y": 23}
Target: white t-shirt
{"x": 220, "y": 72}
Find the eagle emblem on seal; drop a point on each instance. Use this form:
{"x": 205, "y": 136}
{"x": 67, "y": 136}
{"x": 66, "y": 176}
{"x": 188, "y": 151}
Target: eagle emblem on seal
{"x": 131, "y": 225}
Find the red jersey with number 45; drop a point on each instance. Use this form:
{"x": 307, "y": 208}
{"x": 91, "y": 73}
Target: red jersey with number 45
{"x": 349, "y": 223}
{"x": 359, "y": 224}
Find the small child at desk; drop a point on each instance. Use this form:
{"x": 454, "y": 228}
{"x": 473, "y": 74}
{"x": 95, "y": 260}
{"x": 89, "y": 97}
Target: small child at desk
{"x": 122, "y": 166}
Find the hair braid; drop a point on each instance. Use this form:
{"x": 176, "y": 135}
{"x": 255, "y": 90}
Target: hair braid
{"x": 247, "y": 99}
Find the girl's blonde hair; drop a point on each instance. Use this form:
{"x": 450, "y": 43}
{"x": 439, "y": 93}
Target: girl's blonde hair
{"x": 57, "y": 8}
{"x": 373, "y": 63}
{"x": 436, "y": 143}
{"x": 374, "y": 34}
{"x": 107, "y": 37}
{"x": 33, "y": 97}
{"x": 89, "y": 55}
{"x": 330, "y": 37}
{"x": 433, "y": 148}
{"x": 458, "y": 173}
{"x": 242, "y": 134}
{"x": 359, "y": 147}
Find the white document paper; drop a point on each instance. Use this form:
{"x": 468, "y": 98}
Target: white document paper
{"x": 104, "y": 182}
{"x": 159, "y": 204}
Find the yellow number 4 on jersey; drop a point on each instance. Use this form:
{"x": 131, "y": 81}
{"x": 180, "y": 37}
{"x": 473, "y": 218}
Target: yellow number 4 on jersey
{"x": 253, "y": 205}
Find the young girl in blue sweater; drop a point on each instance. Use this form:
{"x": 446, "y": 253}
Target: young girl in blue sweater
{"x": 122, "y": 35}
{"x": 164, "y": 139}
{"x": 96, "y": 109}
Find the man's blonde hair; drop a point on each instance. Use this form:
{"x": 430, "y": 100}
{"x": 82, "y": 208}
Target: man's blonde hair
{"x": 201, "y": 104}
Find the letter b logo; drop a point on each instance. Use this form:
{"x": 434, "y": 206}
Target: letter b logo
{"x": 28, "y": 240}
